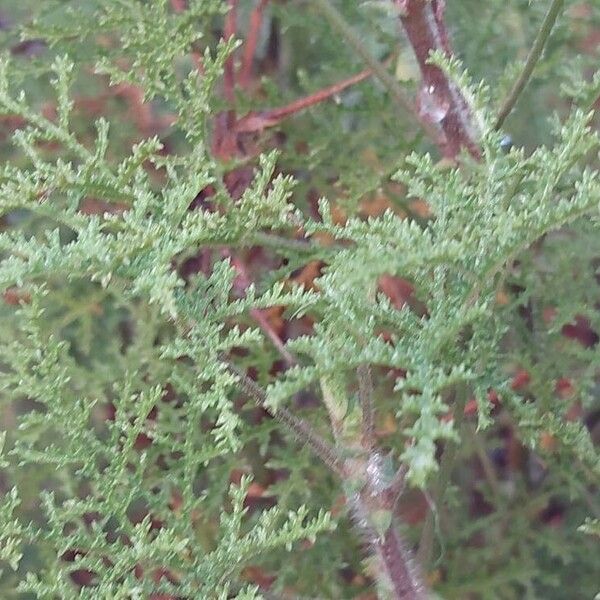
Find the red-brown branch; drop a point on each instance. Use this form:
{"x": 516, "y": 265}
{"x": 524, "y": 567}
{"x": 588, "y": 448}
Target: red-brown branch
{"x": 257, "y": 121}
{"x": 392, "y": 554}
{"x": 229, "y": 31}
{"x": 397, "y": 571}
{"x": 178, "y": 5}
{"x": 440, "y": 99}
{"x": 256, "y": 20}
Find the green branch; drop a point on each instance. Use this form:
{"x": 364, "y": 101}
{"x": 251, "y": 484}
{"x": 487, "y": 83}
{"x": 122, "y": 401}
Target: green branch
{"x": 534, "y": 56}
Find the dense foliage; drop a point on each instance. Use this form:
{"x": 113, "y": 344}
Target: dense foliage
{"x": 289, "y": 310}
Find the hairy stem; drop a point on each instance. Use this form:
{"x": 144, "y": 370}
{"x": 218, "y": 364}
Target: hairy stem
{"x": 303, "y": 431}
{"x": 397, "y": 573}
{"x": 534, "y": 56}
{"x": 373, "y": 505}
{"x": 402, "y": 574}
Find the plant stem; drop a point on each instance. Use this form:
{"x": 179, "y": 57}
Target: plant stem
{"x": 338, "y": 22}
{"x": 303, "y": 431}
{"x": 423, "y": 22}
{"x": 365, "y": 394}
{"x": 397, "y": 574}
{"x": 374, "y": 500}
{"x": 260, "y": 120}
{"x": 256, "y": 21}
{"x": 229, "y": 31}
{"x": 392, "y": 554}
{"x": 402, "y": 100}
{"x": 534, "y": 55}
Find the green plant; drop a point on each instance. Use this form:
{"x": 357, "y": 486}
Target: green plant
{"x": 202, "y": 295}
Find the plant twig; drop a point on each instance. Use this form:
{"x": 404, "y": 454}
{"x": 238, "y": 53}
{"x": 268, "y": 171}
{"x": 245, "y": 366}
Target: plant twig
{"x": 229, "y": 31}
{"x": 178, "y": 5}
{"x": 259, "y": 316}
{"x": 397, "y": 572}
{"x": 401, "y": 99}
{"x": 257, "y": 121}
{"x": 534, "y": 55}
{"x": 337, "y": 21}
{"x": 400, "y": 570}
{"x": 440, "y": 99}
{"x": 365, "y": 395}
{"x": 301, "y": 429}
{"x": 251, "y": 42}
{"x": 373, "y": 503}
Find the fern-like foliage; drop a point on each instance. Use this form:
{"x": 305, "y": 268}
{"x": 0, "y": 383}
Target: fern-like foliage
{"x": 131, "y": 444}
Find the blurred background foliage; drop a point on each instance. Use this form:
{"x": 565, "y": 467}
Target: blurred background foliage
{"x": 510, "y": 524}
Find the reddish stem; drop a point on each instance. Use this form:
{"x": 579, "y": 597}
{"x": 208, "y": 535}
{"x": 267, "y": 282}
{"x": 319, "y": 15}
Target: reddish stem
{"x": 393, "y": 556}
{"x": 426, "y": 30}
{"x": 256, "y": 20}
{"x": 398, "y": 572}
{"x": 229, "y": 31}
{"x": 257, "y": 121}
{"x": 179, "y": 5}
